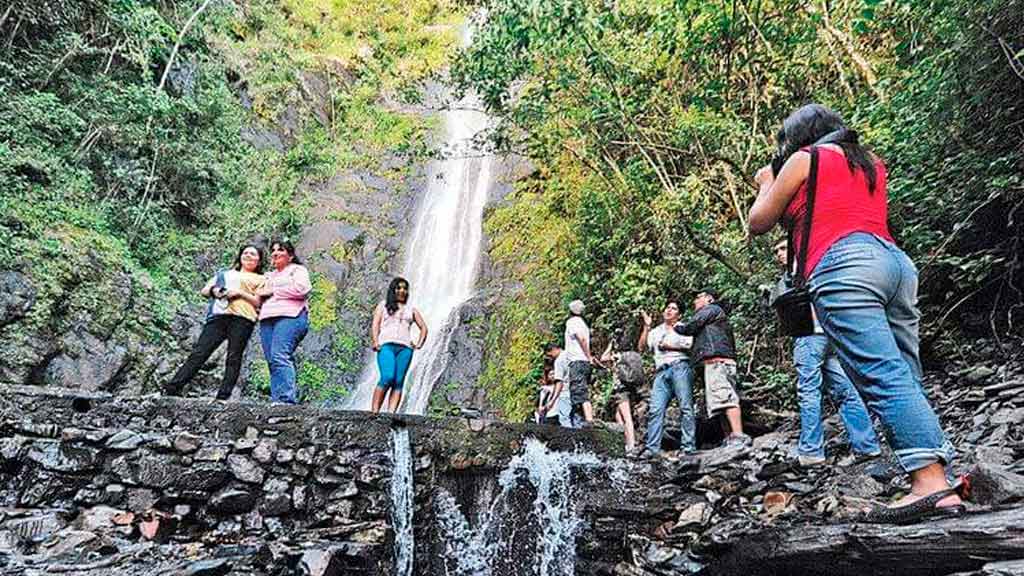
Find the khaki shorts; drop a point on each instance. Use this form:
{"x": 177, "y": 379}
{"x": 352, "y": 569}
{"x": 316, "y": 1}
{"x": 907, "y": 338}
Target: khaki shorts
{"x": 720, "y": 387}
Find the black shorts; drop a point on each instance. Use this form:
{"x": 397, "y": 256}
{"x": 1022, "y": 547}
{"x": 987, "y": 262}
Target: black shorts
{"x": 579, "y": 382}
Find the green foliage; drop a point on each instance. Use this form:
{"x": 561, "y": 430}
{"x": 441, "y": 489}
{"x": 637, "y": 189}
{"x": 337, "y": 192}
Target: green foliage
{"x": 105, "y": 171}
{"x": 259, "y": 378}
{"x": 439, "y": 406}
{"x": 323, "y": 303}
{"x": 317, "y": 385}
{"x": 645, "y": 121}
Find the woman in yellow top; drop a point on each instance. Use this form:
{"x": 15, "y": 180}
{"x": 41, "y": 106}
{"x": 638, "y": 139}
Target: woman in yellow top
{"x": 231, "y": 316}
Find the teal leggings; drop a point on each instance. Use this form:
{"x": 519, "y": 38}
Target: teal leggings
{"x": 393, "y": 361}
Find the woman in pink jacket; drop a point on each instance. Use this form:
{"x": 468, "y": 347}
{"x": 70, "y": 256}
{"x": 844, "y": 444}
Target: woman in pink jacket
{"x": 284, "y": 318}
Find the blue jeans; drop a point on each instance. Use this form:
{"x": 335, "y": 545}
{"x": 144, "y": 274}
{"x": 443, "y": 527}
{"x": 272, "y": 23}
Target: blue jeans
{"x": 280, "y": 336}
{"x": 816, "y": 365}
{"x": 393, "y": 362}
{"x": 865, "y": 295}
{"x": 675, "y": 380}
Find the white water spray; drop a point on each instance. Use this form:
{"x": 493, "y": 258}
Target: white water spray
{"x": 443, "y": 254}
{"x": 477, "y": 552}
{"x": 402, "y": 500}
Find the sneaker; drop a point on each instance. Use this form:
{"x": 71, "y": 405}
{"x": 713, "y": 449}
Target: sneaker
{"x": 807, "y": 461}
{"x": 646, "y": 454}
{"x": 854, "y": 459}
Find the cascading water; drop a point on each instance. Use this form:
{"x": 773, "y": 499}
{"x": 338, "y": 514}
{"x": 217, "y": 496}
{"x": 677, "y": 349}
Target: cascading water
{"x": 551, "y": 525}
{"x": 442, "y": 257}
{"x": 402, "y": 500}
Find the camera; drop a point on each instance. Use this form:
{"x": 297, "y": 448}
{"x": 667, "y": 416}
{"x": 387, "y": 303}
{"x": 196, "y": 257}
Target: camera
{"x": 765, "y": 295}
{"x": 778, "y": 161}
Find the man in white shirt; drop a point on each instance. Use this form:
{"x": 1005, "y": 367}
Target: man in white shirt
{"x": 560, "y": 400}
{"x": 577, "y": 350}
{"x": 674, "y": 378}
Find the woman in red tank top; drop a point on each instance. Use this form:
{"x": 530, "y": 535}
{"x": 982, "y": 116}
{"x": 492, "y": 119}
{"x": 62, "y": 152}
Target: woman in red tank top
{"x": 864, "y": 290}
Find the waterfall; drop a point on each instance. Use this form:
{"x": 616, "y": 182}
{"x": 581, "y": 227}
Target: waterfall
{"x": 402, "y": 500}
{"x": 550, "y": 525}
{"x": 443, "y": 252}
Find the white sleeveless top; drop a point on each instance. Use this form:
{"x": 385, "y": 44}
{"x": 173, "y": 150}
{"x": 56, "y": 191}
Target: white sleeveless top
{"x": 395, "y": 328}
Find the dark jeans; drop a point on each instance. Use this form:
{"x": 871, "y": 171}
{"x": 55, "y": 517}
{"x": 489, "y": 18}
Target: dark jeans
{"x": 236, "y": 330}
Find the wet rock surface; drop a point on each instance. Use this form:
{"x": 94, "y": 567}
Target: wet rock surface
{"x": 95, "y": 484}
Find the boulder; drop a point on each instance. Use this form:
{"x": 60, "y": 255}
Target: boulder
{"x": 232, "y": 501}
{"x": 321, "y": 562}
{"x": 245, "y": 469}
{"x": 17, "y": 296}
{"x": 994, "y": 485}
{"x": 61, "y": 457}
{"x": 87, "y": 364}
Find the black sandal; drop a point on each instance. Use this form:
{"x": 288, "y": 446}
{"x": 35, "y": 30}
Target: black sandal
{"x": 922, "y": 509}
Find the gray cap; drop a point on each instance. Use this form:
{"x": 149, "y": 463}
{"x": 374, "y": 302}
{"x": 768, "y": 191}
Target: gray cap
{"x": 576, "y": 307}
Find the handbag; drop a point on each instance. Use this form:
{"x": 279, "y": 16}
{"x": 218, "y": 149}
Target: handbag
{"x": 794, "y": 305}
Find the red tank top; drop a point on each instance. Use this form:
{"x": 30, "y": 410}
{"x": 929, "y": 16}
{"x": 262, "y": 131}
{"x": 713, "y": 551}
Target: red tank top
{"x": 842, "y": 205}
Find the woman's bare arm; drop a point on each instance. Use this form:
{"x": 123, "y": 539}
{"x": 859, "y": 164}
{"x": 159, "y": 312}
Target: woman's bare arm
{"x": 422, "y": 325}
{"x": 775, "y": 193}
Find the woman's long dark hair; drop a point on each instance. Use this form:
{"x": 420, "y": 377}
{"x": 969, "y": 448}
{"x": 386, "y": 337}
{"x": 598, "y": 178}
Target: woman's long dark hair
{"x": 391, "y": 300}
{"x": 238, "y": 258}
{"x": 813, "y": 122}
{"x": 288, "y": 247}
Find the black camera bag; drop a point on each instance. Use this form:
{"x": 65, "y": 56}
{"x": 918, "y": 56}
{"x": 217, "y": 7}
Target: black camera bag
{"x": 794, "y": 306}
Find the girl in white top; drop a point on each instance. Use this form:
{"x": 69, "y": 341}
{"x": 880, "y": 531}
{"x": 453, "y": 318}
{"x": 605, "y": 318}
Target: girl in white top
{"x": 392, "y": 340}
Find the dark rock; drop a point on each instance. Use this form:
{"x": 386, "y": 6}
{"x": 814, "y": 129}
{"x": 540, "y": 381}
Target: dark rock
{"x": 59, "y": 457}
{"x": 98, "y": 518}
{"x": 232, "y": 501}
{"x": 202, "y": 478}
{"x": 245, "y": 469}
{"x": 321, "y": 562}
{"x": 186, "y": 443}
{"x": 146, "y": 470}
{"x": 276, "y": 504}
{"x": 211, "y": 454}
{"x": 992, "y": 485}
{"x": 1007, "y": 568}
{"x": 17, "y": 296}
{"x": 88, "y": 364}
{"x": 305, "y": 455}
{"x": 464, "y": 333}
{"x": 979, "y": 374}
{"x": 35, "y": 528}
{"x": 264, "y": 451}
{"x": 125, "y": 440}
{"x": 217, "y": 567}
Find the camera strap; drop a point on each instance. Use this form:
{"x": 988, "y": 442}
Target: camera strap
{"x": 799, "y": 278}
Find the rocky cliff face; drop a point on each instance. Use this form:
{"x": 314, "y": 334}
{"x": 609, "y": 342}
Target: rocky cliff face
{"x": 92, "y": 483}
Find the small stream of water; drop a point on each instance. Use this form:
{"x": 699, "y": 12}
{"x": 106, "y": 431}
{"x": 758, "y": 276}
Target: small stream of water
{"x": 504, "y": 541}
{"x": 402, "y": 504}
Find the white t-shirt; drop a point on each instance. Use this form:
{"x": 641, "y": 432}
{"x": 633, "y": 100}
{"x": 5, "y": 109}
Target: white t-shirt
{"x": 662, "y": 335}
{"x": 560, "y": 373}
{"x": 573, "y": 349}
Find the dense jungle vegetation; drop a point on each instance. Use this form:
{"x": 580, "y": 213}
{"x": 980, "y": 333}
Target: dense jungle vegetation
{"x": 645, "y": 121}
{"x": 141, "y": 141}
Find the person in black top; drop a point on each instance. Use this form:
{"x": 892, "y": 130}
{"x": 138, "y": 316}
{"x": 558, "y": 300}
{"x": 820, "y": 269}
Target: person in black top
{"x": 715, "y": 348}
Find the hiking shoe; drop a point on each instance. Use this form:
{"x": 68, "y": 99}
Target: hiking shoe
{"x": 855, "y": 458}
{"x": 808, "y": 461}
{"x": 646, "y": 454}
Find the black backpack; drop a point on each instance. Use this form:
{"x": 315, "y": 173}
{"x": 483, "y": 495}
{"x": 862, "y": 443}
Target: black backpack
{"x": 630, "y": 368}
